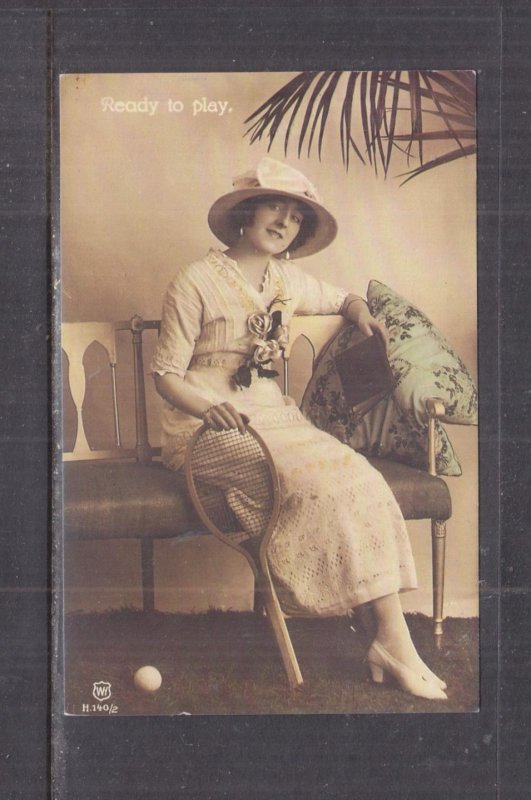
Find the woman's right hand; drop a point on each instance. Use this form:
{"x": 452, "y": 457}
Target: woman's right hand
{"x": 224, "y": 417}
{"x": 219, "y": 416}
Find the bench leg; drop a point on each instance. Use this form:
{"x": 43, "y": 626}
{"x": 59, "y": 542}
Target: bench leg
{"x": 148, "y": 575}
{"x": 438, "y": 545}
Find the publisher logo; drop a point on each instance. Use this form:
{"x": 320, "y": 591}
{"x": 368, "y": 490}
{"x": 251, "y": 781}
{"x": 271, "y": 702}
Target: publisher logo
{"x": 101, "y": 690}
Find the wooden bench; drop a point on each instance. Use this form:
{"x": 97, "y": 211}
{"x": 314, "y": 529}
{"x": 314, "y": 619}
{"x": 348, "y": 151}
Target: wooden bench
{"x": 126, "y": 493}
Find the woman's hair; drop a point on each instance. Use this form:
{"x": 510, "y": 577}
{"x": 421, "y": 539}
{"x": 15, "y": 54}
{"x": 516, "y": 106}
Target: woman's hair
{"x": 243, "y": 214}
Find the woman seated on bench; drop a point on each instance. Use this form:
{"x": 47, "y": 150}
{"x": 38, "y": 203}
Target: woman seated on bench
{"x": 341, "y": 540}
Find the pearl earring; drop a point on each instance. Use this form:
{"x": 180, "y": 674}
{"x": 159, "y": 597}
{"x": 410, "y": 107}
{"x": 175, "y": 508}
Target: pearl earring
{"x": 287, "y": 255}
{"x": 241, "y": 231}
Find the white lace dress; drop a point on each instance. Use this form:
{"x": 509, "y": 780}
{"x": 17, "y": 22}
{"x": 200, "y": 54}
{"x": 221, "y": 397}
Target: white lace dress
{"x": 340, "y": 539}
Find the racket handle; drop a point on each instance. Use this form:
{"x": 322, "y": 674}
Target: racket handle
{"x": 281, "y": 634}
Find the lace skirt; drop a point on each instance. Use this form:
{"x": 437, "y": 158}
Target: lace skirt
{"x": 341, "y": 539}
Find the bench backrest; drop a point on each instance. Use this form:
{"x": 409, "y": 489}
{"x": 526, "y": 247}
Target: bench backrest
{"x": 317, "y": 330}
{"x": 77, "y": 337}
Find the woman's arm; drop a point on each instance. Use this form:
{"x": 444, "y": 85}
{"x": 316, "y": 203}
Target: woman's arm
{"x": 356, "y": 310}
{"x": 316, "y": 296}
{"x": 176, "y": 392}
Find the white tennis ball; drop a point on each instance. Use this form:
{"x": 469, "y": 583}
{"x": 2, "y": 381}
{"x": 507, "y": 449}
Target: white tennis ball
{"x": 147, "y": 679}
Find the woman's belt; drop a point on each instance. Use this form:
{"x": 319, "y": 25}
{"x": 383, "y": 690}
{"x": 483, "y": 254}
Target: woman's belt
{"x": 223, "y": 360}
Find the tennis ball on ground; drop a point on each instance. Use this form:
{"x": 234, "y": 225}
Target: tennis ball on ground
{"x": 147, "y": 679}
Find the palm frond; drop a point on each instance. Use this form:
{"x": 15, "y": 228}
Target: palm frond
{"x": 455, "y": 89}
{"x": 381, "y": 117}
{"x": 443, "y": 97}
{"x": 297, "y": 102}
{"x": 322, "y": 111}
{"x": 392, "y": 125}
{"x": 272, "y": 112}
{"x": 387, "y": 125}
{"x": 416, "y": 112}
{"x": 437, "y": 162}
{"x": 307, "y": 117}
{"x": 277, "y": 121}
{"x": 301, "y": 79}
{"x": 466, "y": 77}
{"x": 378, "y": 88}
{"x": 345, "y": 124}
{"x": 364, "y": 116}
{"x": 459, "y": 118}
{"x": 440, "y": 109}
{"x": 435, "y": 136}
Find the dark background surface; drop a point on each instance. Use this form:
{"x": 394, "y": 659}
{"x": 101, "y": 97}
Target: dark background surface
{"x": 439, "y": 756}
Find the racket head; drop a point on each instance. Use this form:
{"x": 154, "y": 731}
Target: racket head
{"x": 234, "y": 486}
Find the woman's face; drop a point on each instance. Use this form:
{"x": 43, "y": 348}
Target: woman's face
{"x": 275, "y": 225}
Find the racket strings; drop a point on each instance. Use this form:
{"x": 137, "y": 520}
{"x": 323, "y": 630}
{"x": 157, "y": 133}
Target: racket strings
{"x": 233, "y": 481}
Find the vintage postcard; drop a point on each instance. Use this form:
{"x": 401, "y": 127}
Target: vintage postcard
{"x": 226, "y": 240}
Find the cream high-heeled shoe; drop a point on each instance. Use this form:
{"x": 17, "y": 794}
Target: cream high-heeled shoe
{"x": 431, "y": 676}
{"x": 425, "y": 671}
{"x": 382, "y": 663}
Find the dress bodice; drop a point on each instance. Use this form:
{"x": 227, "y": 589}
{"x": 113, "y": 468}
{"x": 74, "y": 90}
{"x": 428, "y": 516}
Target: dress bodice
{"x": 207, "y": 306}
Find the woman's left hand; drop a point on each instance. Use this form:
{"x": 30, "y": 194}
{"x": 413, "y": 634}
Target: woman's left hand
{"x": 371, "y": 326}
{"x": 356, "y": 310}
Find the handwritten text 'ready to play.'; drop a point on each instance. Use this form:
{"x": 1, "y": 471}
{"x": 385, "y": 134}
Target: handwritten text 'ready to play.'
{"x": 150, "y": 107}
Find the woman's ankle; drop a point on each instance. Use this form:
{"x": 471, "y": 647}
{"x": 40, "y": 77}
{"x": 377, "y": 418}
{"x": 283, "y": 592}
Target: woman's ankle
{"x": 394, "y": 636}
{"x": 399, "y": 645}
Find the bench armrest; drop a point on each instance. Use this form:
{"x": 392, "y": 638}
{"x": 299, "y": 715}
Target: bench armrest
{"x": 435, "y": 410}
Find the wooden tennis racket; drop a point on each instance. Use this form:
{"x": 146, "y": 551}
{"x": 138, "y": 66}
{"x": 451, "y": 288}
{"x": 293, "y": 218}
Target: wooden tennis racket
{"x": 234, "y": 487}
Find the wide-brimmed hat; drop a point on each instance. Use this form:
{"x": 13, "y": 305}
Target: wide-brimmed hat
{"x": 274, "y": 177}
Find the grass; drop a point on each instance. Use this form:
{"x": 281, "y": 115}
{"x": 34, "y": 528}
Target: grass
{"x": 228, "y": 663}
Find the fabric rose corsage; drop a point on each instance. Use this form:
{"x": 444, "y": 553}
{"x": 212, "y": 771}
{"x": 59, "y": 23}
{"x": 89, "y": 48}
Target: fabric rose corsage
{"x": 267, "y": 351}
{"x": 269, "y": 337}
{"x": 260, "y": 323}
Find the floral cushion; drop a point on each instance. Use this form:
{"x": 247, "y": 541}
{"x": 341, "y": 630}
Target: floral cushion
{"x": 424, "y": 365}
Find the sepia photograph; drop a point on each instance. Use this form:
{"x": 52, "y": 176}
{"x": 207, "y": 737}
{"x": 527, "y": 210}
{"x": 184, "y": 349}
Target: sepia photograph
{"x": 268, "y": 327}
